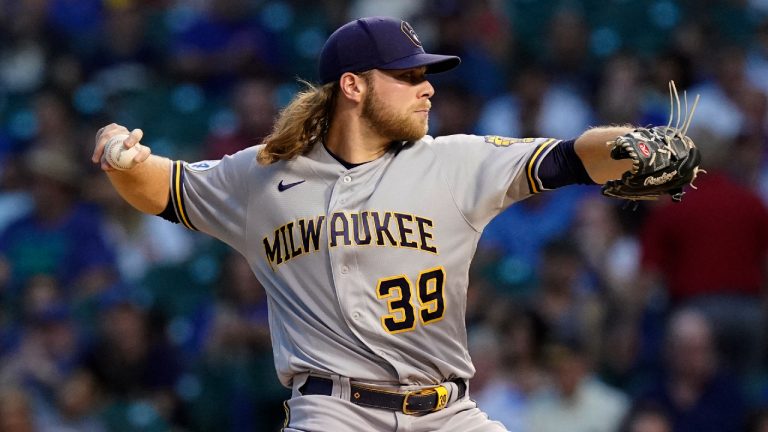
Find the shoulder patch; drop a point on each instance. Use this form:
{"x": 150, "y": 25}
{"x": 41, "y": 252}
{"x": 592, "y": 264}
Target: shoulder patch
{"x": 500, "y": 141}
{"x": 203, "y": 165}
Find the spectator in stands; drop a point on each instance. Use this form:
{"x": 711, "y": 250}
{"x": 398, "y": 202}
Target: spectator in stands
{"x": 221, "y": 43}
{"x": 728, "y": 97}
{"x": 668, "y": 65}
{"x": 536, "y": 105}
{"x": 75, "y": 408}
{"x": 239, "y": 326}
{"x": 567, "y": 50}
{"x": 77, "y": 29}
{"x": 24, "y": 48}
{"x": 647, "y": 418}
{"x": 131, "y": 359}
{"x": 254, "y": 101}
{"x": 757, "y": 421}
{"x": 577, "y": 401}
{"x": 140, "y": 242}
{"x": 565, "y": 298}
{"x": 56, "y": 126}
{"x": 692, "y": 388}
{"x": 15, "y": 411}
{"x": 711, "y": 252}
{"x": 454, "y": 110}
{"x": 492, "y": 387}
{"x": 15, "y": 195}
{"x": 42, "y": 293}
{"x": 236, "y": 367}
{"x": 126, "y": 58}
{"x": 48, "y": 353}
{"x": 610, "y": 250}
{"x": 60, "y": 236}
{"x": 620, "y": 90}
{"x": 506, "y": 352}
{"x": 484, "y": 50}
{"x": 757, "y": 56}
{"x": 520, "y": 233}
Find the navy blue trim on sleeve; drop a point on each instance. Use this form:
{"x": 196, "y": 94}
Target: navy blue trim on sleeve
{"x": 561, "y": 166}
{"x": 169, "y": 213}
{"x": 177, "y": 194}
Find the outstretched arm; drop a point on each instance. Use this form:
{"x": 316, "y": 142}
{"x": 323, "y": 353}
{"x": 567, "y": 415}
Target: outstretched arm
{"x": 595, "y": 153}
{"x": 146, "y": 185}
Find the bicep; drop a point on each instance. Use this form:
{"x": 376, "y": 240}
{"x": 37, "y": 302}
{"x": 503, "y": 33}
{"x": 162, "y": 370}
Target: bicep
{"x": 486, "y": 174}
{"x": 212, "y": 196}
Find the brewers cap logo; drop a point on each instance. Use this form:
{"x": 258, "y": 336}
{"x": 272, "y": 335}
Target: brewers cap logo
{"x": 410, "y": 32}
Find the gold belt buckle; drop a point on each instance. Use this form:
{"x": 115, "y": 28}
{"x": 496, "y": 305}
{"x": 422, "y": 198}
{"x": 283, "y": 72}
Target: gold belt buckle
{"x": 442, "y": 398}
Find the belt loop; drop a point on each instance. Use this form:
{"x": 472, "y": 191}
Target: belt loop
{"x": 453, "y": 391}
{"x": 453, "y": 386}
{"x": 336, "y": 388}
{"x": 298, "y": 381}
{"x": 341, "y": 387}
{"x": 346, "y": 387}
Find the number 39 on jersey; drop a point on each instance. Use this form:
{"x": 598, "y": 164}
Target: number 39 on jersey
{"x": 398, "y": 292}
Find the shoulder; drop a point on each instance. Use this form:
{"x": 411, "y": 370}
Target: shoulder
{"x": 242, "y": 161}
{"x": 482, "y": 146}
{"x": 246, "y": 156}
{"x": 452, "y": 140}
{"x": 440, "y": 147}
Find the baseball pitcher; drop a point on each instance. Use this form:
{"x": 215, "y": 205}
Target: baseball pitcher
{"x": 362, "y": 228}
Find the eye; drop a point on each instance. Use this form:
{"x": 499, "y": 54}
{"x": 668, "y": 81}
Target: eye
{"x": 412, "y": 76}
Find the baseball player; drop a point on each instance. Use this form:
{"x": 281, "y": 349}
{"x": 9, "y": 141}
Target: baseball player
{"x": 362, "y": 228}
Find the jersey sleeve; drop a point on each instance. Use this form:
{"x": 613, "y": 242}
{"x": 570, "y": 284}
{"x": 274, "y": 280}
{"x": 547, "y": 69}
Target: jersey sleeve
{"x": 486, "y": 174}
{"x": 212, "y": 196}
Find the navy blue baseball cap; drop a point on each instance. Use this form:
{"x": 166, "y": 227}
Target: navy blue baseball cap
{"x": 377, "y": 43}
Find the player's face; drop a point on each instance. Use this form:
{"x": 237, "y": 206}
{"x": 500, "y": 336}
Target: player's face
{"x": 397, "y": 104}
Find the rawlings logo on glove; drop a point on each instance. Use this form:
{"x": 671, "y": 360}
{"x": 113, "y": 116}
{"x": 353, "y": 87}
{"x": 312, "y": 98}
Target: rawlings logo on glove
{"x": 655, "y": 181}
{"x": 664, "y": 158}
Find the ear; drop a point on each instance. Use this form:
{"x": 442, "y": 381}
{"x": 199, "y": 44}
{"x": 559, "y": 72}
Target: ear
{"x": 352, "y": 86}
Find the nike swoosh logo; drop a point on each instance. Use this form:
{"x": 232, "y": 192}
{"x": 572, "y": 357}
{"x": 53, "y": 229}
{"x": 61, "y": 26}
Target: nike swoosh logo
{"x": 283, "y": 187}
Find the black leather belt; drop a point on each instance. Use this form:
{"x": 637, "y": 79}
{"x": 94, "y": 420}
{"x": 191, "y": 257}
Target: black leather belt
{"x": 413, "y": 402}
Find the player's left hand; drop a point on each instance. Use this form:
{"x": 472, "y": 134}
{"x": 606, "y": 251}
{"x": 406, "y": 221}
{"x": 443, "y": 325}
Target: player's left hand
{"x": 664, "y": 160}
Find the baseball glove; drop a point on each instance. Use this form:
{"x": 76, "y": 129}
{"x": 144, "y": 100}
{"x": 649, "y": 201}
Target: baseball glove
{"x": 664, "y": 159}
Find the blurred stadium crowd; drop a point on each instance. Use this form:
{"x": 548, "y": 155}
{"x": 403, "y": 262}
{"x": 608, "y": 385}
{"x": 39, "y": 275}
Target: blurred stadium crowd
{"x": 584, "y": 314}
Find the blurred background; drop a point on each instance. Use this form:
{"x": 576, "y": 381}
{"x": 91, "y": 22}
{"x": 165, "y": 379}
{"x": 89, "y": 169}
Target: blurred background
{"x": 584, "y": 314}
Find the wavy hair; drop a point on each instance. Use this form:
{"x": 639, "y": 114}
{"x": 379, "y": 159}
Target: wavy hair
{"x": 301, "y": 124}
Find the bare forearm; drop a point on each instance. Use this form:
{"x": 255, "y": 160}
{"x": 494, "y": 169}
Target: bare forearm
{"x": 595, "y": 153}
{"x": 145, "y": 186}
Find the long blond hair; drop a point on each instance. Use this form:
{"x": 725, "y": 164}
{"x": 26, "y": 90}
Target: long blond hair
{"x": 301, "y": 124}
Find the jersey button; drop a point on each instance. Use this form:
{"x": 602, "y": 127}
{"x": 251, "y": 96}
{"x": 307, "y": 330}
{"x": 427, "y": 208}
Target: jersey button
{"x": 344, "y": 269}
{"x": 347, "y": 179}
{"x": 356, "y": 315}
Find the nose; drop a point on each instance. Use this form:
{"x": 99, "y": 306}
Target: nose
{"x": 428, "y": 90}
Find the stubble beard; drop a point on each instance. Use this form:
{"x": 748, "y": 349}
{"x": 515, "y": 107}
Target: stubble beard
{"x": 387, "y": 122}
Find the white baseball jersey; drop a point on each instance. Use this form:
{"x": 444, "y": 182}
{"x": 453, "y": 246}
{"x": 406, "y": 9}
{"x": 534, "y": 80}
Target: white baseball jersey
{"x": 366, "y": 269}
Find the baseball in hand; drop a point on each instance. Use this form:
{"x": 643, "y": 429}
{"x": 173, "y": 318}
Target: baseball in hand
{"x": 117, "y": 155}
